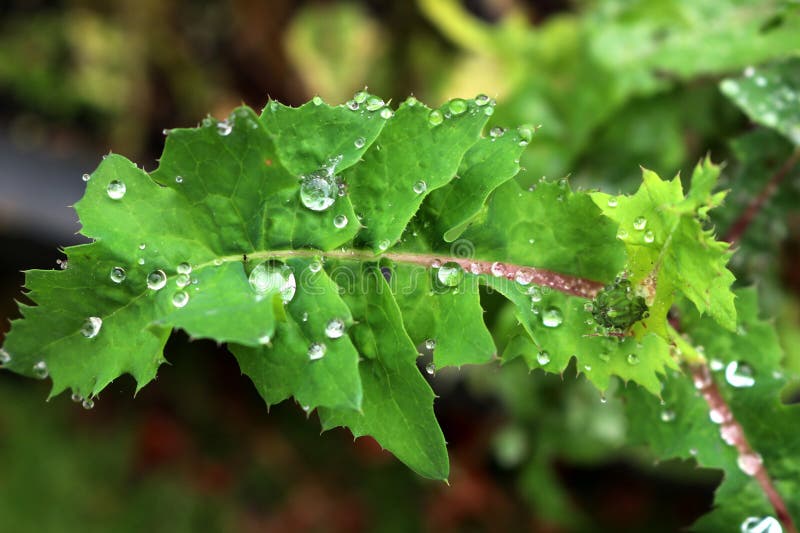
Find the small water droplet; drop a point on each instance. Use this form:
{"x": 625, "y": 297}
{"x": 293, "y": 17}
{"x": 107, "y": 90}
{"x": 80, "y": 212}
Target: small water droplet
{"x": 142, "y": 246}
{"x": 639, "y": 223}
{"x": 116, "y": 189}
{"x": 526, "y": 134}
{"x": 755, "y": 524}
{"x": 5, "y": 357}
{"x": 265, "y": 339}
{"x": 386, "y": 113}
{"x": 667, "y": 415}
{"x": 622, "y": 234}
{"x": 450, "y": 274}
{"x": 317, "y": 351}
{"x": 156, "y": 280}
{"x": 140, "y": 260}
{"x": 430, "y": 344}
{"x": 587, "y": 368}
{"x": 739, "y": 375}
{"x": 40, "y": 370}
{"x": 649, "y": 237}
{"x": 352, "y": 105}
{"x": 273, "y": 277}
{"x": 224, "y": 128}
{"x": 612, "y": 202}
{"x": 87, "y": 404}
{"x": 633, "y": 359}
{"x": 180, "y": 299}
{"x": 716, "y": 365}
{"x": 359, "y": 142}
{"x": 86, "y": 177}
{"x": 488, "y": 111}
{"x": 523, "y": 276}
{"x": 117, "y": 274}
{"x": 317, "y": 100}
{"x": 496, "y": 132}
{"x": 335, "y": 328}
{"x": 184, "y": 268}
{"x": 457, "y": 106}
{"x": 535, "y": 293}
{"x": 552, "y": 317}
{"x": 420, "y": 187}
{"x": 717, "y": 416}
{"x": 384, "y": 245}
{"x": 588, "y": 307}
{"x": 91, "y": 327}
{"x": 178, "y": 179}
{"x": 340, "y": 221}
{"x": 498, "y": 269}
{"x": 315, "y": 266}
{"x": 731, "y": 433}
{"x": 482, "y": 99}
{"x": 435, "y": 117}
{"x": 749, "y": 463}
{"x": 542, "y": 358}
{"x": 374, "y": 103}
{"x": 430, "y": 368}
{"x": 77, "y": 398}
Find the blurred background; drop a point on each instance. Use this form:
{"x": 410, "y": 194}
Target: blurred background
{"x": 615, "y": 84}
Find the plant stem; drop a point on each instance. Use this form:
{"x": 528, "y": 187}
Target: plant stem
{"x": 739, "y": 227}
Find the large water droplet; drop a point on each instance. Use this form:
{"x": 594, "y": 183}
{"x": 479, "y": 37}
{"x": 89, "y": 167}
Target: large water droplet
{"x": 317, "y": 350}
{"x": 156, "y": 280}
{"x": 116, "y": 190}
{"x": 639, "y": 223}
{"x": 542, "y": 358}
{"x": 117, "y": 274}
{"x": 450, "y": 274}
{"x": 180, "y": 299}
{"x": 40, "y": 370}
{"x": 457, "y": 106}
{"x": 91, "y": 327}
{"x": 755, "y": 524}
{"x": 435, "y": 117}
{"x": 739, "y": 375}
{"x": 318, "y": 190}
{"x": 420, "y": 187}
{"x": 339, "y": 221}
{"x": 633, "y": 359}
{"x": 552, "y": 317}
{"x": 335, "y": 328}
{"x": 273, "y": 277}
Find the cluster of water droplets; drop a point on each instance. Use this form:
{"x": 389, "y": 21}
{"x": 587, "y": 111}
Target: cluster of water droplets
{"x": 364, "y": 102}
{"x": 458, "y": 106}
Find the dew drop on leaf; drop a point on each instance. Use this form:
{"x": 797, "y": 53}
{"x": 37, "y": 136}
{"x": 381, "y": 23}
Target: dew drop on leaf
{"x": 755, "y": 524}
{"x": 552, "y": 317}
{"x": 265, "y": 339}
{"x": 116, "y": 190}
{"x": 318, "y": 190}
{"x": 667, "y": 415}
{"x": 739, "y": 375}
{"x": 498, "y": 269}
{"x": 184, "y": 268}
{"x": 430, "y": 344}
{"x": 117, "y": 274}
{"x": 360, "y": 97}
{"x": 386, "y": 113}
{"x": 359, "y": 142}
{"x": 496, "y": 132}
{"x": 639, "y": 223}
{"x": 430, "y": 369}
{"x": 481, "y": 100}
{"x": 535, "y": 293}
{"x": 317, "y": 100}
{"x": 622, "y": 234}
{"x": 749, "y": 463}
{"x": 77, "y": 398}
{"x": 315, "y": 266}
{"x": 526, "y": 134}
{"x": 383, "y": 245}
{"x": 731, "y": 433}
{"x": 87, "y": 404}
{"x": 374, "y": 103}
{"x": 612, "y": 202}
{"x": 317, "y": 351}
{"x": 180, "y": 299}
{"x": 5, "y": 357}
{"x": 352, "y": 105}
{"x": 86, "y": 177}
{"x": 633, "y": 359}
{"x": 457, "y": 106}
{"x": 450, "y": 274}
{"x": 649, "y": 237}
{"x": 340, "y": 221}
{"x": 182, "y": 280}
{"x": 543, "y": 358}
{"x": 523, "y": 276}
{"x": 717, "y": 416}
{"x": 91, "y": 327}
{"x": 335, "y": 328}
{"x": 156, "y": 280}
{"x": 178, "y": 179}
{"x": 40, "y": 370}
{"x": 420, "y": 187}
{"x": 488, "y": 111}
{"x": 224, "y": 128}
{"x": 273, "y": 277}
{"x": 715, "y": 364}
{"x": 435, "y": 117}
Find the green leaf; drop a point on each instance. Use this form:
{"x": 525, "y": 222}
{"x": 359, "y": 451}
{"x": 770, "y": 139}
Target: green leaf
{"x": 769, "y": 95}
{"x": 668, "y": 248}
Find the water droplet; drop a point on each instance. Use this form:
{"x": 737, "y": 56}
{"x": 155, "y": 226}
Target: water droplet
{"x": 265, "y": 339}
{"x": 731, "y": 433}
{"x": 717, "y": 416}
{"x": 498, "y": 269}
{"x": 340, "y": 221}
{"x": 315, "y": 266}
{"x": 754, "y": 524}
{"x": 156, "y": 280}
{"x": 588, "y": 307}
{"x": 430, "y": 368}
{"x": 318, "y": 190}
{"x": 360, "y": 142}
{"x": 739, "y": 375}
{"x": 612, "y": 202}
{"x": 273, "y": 277}
{"x": 180, "y": 299}
{"x": 184, "y": 268}
{"x": 552, "y": 317}
{"x": 360, "y": 97}
{"x": 633, "y": 359}
{"x": 374, "y": 103}
{"x": 384, "y": 245}
{"x": 604, "y": 356}
{"x": 716, "y": 365}
{"x": 77, "y": 398}
{"x": 542, "y": 358}
{"x": 224, "y": 128}
{"x": 179, "y": 179}
{"x": 622, "y": 234}
{"x": 667, "y": 415}
{"x": 435, "y": 117}
{"x": 91, "y": 327}
{"x": 86, "y": 177}
{"x": 450, "y": 274}
{"x": 587, "y": 368}
{"x": 40, "y": 370}
{"x": 496, "y": 132}
{"x": 317, "y": 351}
{"x": 649, "y": 237}
{"x": 335, "y": 328}
{"x": 140, "y": 260}
{"x": 749, "y": 463}
{"x": 430, "y": 344}
{"x": 523, "y": 276}
{"x": 457, "y": 106}
{"x": 761, "y": 81}
{"x": 386, "y": 113}
{"x": 87, "y": 404}
{"x": 117, "y": 274}
{"x": 488, "y": 111}
{"x": 420, "y": 187}
{"x": 535, "y": 293}
{"x": 526, "y": 134}
{"x": 317, "y": 100}
{"x": 482, "y": 99}
{"x": 116, "y": 190}
{"x": 352, "y": 105}
{"x": 5, "y": 357}
{"x": 639, "y": 223}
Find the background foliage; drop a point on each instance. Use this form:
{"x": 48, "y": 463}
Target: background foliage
{"x": 613, "y": 84}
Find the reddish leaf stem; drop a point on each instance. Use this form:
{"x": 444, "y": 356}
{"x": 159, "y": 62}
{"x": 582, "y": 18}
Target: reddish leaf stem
{"x": 743, "y": 222}
{"x": 731, "y": 431}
